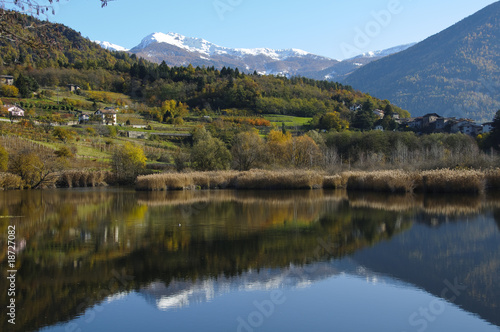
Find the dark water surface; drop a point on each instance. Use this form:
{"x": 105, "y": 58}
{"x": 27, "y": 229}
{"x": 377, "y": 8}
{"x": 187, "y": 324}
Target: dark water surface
{"x": 117, "y": 260}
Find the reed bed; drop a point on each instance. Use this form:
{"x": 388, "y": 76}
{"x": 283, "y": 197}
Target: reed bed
{"x": 182, "y": 181}
{"x": 83, "y": 178}
{"x": 452, "y": 181}
{"x": 256, "y": 179}
{"x": 253, "y": 179}
{"x": 393, "y": 181}
{"x": 396, "y": 181}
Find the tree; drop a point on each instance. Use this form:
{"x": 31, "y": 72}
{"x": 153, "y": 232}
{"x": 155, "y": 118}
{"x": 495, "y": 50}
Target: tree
{"x": 247, "y": 150}
{"x": 332, "y": 121}
{"x": 306, "y": 152}
{"x": 494, "y": 137}
{"x": 280, "y": 146}
{"x": 36, "y": 170}
{"x": 26, "y": 85}
{"x": 128, "y": 161}
{"x": 209, "y": 153}
{"x": 4, "y": 159}
{"x": 62, "y": 134}
{"x": 9, "y": 91}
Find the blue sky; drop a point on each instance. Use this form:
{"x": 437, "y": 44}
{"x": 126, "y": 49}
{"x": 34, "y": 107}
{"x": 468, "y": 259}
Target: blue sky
{"x": 334, "y": 28}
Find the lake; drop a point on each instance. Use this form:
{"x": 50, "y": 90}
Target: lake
{"x": 119, "y": 260}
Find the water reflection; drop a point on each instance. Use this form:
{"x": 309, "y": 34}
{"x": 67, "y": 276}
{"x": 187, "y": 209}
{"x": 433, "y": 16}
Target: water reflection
{"x": 78, "y": 248}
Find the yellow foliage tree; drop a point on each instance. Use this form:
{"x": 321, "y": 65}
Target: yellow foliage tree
{"x": 128, "y": 161}
{"x": 280, "y": 146}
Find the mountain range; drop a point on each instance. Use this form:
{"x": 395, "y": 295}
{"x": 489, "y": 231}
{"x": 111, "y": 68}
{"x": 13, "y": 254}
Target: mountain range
{"x": 179, "y": 50}
{"x": 453, "y": 73}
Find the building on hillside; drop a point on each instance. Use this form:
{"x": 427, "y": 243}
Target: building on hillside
{"x": 429, "y": 119}
{"x": 416, "y": 123}
{"x": 73, "y": 87}
{"x": 14, "y": 110}
{"x": 471, "y": 129}
{"x": 108, "y": 116}
{"x": 6, "y": 79}
{"x": 83, "y": 118}
{"x": 379, "y": 113}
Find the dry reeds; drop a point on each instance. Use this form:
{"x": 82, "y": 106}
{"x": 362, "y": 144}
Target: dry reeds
{"x": 394, "y": 181}
{"x": 452, "y": 181}
{"x": 254, "y": 179}
{"x": 82, "y": 178}
{"x": 181, "y": 181}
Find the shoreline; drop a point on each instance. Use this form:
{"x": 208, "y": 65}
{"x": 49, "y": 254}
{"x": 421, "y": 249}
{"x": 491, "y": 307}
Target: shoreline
{"x": 392, "y": 181}
{"x": 389, "y": 181}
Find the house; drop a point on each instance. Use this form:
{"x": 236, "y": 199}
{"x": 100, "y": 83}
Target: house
{"x": 416, "y": 123}
{"x": 440, "y": 123}
{"x": 379, "y": 113}
{"x": 429, "y": 119}
{"x": 73, "y": 87}
{"x": 82, "y": 118}
{"x": 14, "y": 110}
{"x": 458, "y": 124}
{"x": 355, "y": 108}
{"x": 108, "y": 116}
{"x": 471, "y": 129}
{"x": 487, "y": 127}
{"x": 6, "y": 79}
{"x": 379, "y": 128}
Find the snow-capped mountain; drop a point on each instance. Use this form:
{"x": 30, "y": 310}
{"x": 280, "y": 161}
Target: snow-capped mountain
{"x": 178, "y": 50}
{"x": 341, "y": 70}
{"x": 108, "y": 46}
{"x": 384, "y": 53}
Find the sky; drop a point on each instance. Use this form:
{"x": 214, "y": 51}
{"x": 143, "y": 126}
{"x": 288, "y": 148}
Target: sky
{"x": 338, "y": 29}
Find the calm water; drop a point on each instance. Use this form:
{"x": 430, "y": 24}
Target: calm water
{"x": 117, "y": 260}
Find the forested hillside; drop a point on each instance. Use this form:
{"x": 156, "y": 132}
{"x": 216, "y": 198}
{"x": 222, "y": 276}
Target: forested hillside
{"x": 55, "y": 55}
{"x": 455, "y": 72}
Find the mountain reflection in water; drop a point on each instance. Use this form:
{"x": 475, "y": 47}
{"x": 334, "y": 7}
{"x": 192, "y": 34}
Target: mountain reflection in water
{"x": 84, "y": 247}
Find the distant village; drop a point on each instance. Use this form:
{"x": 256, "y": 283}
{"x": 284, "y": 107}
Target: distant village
{"x": 435, "y": 123}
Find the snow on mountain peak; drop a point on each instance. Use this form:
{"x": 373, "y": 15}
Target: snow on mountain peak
{"x": 108, "y": 46}
{"x": 207, "y": 48}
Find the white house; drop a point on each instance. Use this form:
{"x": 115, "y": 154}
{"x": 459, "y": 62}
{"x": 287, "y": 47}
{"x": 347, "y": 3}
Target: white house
{"x": 15, "y": 110}
{"x": 83, "y": 118}
{"x": 108, "y": 116}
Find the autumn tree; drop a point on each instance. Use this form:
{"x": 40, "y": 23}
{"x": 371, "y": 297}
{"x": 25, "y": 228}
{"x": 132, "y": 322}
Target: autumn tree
{"x": 279, "y": 145}
{"x": 128, "y": 161}
{"x": 247, "y": 150}
{"x": 306, "y": 153}
{"x": 36, "y": 170}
